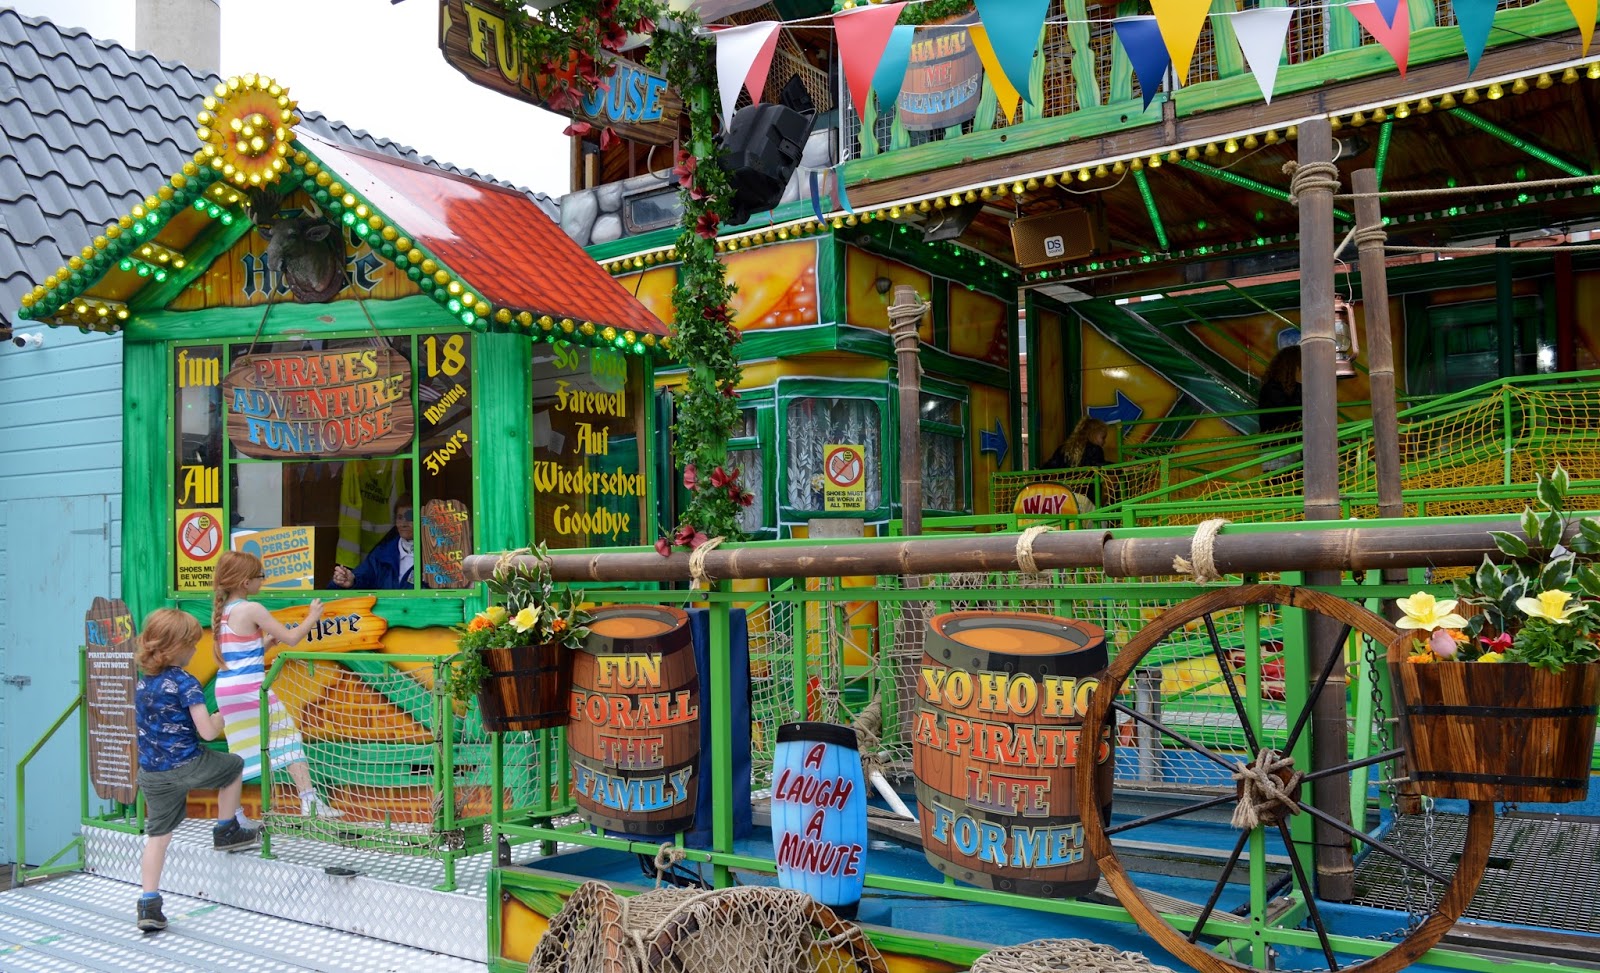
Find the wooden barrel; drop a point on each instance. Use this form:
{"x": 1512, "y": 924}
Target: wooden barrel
{"x": 526, "y": 688}
{"x": 819, "y": 814}
{"x": 1496, "y": 731}
{"x": 1001, "y": 696}
{"x": 944, "y": 78}
{"x": 633, "y": 723}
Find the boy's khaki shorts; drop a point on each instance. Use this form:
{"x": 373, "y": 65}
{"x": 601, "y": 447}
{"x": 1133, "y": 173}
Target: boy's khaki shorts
{"x": 166, "y": 792}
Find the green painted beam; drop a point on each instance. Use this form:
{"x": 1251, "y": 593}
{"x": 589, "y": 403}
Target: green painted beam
{"x": 1518, "y": 142}
{"x": 1154, "y": 347}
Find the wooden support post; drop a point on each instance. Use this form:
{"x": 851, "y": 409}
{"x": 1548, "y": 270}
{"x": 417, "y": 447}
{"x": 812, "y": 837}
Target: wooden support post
{"x": 904, "y": 317}
{"x": 1380, "y": 348}
{"x": 1313, "y": 188}
{"x": 1566, "y": 315}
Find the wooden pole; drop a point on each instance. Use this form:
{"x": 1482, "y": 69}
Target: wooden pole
{"x": 1313, "y": 189}
{"x": 1236, "y": 551}
{"x": 904, "y": 317}
{"x": 1380, "y": 343}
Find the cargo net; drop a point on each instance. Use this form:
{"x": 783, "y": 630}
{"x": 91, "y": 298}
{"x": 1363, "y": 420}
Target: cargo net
{"x": 1188, "y": 689}
{"x": 774, "y": 636}
{"x": 748, "y": 929}
{"x": 370, "y": 735}
{"x": 1060, "y": 955}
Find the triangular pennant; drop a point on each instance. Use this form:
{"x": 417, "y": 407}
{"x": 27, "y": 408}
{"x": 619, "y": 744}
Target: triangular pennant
{"x": 1014, "y": 28}
{"x": 1475, "y": 17}
{"x": 1004, "y": 93}
{"x": 1396, "y": 37}
{"x": 862, "y": 33}
{"x": 1181, "y": 22}
{"x": 816, "y": 195}
{"x": 744, "y": 55}
{"x": 891, "y": 72}
{"x": 1583, "y": 11}
{"x": 1260, "y": 33}
{"x": 1141, "y": 38}
{"x": 1388, "y": 8}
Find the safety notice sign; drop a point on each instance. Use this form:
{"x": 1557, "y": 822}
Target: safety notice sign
{"x": 199, "y": 541}
{"x": 844, "y": 478}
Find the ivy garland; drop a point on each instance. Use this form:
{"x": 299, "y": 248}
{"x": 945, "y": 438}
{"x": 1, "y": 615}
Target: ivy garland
{"x": 933, "y": 11}
{"x": 586, "y": 33}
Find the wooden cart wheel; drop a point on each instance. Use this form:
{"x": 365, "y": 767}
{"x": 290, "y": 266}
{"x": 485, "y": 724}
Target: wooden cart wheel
{"x": 1212, "y": 940}
{"x": 846, "y": 937}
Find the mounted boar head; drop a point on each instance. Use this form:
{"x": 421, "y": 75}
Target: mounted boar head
{"x": 307, "y": 250}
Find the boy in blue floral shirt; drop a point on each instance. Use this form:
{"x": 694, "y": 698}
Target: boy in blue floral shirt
{"x": 170, "y": 709}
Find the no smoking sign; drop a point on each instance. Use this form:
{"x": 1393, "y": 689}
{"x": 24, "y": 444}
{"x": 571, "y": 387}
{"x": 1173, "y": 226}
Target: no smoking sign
{"x": 844, "y": 476}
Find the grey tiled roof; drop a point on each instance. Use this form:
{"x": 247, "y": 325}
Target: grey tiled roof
{"x": 88, "y": 129}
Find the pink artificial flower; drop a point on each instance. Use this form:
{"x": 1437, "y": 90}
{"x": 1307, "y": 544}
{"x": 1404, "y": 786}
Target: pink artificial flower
{"x": 691, "y": 477}
{"x": 1499, "y": 643}
{"x": 663, "y": 547}
{"x": 719, "y": 478}
{"x": 1443, "y": 645}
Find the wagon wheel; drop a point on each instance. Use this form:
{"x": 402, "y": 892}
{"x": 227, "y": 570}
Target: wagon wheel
{"x": 1204, "y": 931}
{"x": 826, "y": 927}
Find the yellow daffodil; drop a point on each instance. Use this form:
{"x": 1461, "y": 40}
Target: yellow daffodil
{"x": 526, "y": 619}
{"x": 1423, "y": 611}
{"x": 1551, "y": 606}
{"x": 1491, "y": 657}
{"x": 495, "y": 614}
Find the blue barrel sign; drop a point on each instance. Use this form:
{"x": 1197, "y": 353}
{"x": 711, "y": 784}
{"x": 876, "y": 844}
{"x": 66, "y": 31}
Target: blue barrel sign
{"x": 819, "y": 814}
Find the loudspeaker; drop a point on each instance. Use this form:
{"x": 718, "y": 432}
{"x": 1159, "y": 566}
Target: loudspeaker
{"x": 949, "y": 223}
{"x": 762, "y": 146}
{"x": 1051, "y": 238}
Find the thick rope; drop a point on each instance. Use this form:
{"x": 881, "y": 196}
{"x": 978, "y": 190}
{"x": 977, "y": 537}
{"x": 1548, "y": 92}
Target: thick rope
{"x": 698, "y": 578}
{"x": 1370, "y": 234}
{"x": 1267, "y": 797}
{"x": 1060, "y": 955}
{"x": 1308, "y": 177}
{"x": 506, "y": 560}
{"x": 1201, "y": 561}
{"x": 1458, "y": 190}
{"x": 1025, "y": 561}
{"x": 869, "y": 736}
{"x": 1559, "y": 248}
{"x": 667, "y": 857}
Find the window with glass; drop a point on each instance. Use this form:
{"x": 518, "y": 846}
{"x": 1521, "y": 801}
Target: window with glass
{"x": 341, "y": 463}
{"x": 589, "y": 427}
{"x": 813, "y": 422}
{"x": 943, "y": 434}
{"x": 745, "y": 453}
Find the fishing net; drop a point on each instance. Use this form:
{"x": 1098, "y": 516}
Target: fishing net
{"x": 748, "y": 929}
{"x": 1076, "y": 955}
{"x": 372, "y": 734}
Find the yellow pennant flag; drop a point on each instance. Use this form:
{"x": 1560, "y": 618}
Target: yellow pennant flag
{"x": 1181, "y": 22}
{"x": 1583, "y": 11}
{"x": 1003, "y": 90}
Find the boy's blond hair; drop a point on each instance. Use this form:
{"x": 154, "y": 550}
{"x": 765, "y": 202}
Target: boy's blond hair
{"x": 168, "y": 639}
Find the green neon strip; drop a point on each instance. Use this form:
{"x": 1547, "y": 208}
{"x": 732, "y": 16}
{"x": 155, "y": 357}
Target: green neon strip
{"x": 1150, "y": 207}
{"x": 1542, "y": 154}
{"x": 1384, "y": 135}
{"x": 1245, "y": 182}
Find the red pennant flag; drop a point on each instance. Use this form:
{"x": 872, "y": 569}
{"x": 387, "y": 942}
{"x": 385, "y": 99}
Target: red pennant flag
{"x": 1395, "y": 38}
{"x": 863, "y": 33}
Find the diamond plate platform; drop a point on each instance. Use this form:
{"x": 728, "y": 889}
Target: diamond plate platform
{"x": 390, "y": 898}
{"x": 85, "y": 922}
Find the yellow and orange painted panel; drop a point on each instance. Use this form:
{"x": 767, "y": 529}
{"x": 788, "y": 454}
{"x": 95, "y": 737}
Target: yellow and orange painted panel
{"x": 980, "y": 326}
{"x": 864, "y": 306}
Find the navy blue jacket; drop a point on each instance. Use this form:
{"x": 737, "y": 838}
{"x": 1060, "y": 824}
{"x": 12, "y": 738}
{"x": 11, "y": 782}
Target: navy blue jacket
{"x": 381, "y": 568}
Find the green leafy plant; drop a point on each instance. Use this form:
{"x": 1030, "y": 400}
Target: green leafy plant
{"x": 1528, "y": 610}
{"x": 534, "y": 612}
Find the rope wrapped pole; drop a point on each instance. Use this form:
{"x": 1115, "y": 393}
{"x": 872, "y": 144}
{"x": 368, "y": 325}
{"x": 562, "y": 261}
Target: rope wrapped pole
{"x": 1312, "y": 188}
{"x": 904, "y": 315}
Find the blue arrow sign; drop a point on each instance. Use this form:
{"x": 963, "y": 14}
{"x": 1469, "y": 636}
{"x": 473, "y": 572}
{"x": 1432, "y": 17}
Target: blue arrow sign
{"x": 994, "y": 442}
{"x": 1126, "y": 410}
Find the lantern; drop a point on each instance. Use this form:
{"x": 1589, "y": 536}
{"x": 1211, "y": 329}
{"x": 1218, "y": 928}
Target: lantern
{"x": 1345, "y": 344}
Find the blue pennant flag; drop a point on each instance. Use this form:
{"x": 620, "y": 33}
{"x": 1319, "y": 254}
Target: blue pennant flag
{"x": 1389, "y": 8}
{"x": 1147, "y": 52}
{"x": 891, "y": 71}
{"x": 1475, "y": 17}
{"x": 816, "y": 194}
{"x": 1014, "y": 28}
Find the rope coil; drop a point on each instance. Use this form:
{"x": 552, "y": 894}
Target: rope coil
{"x": 506, "y": 560}
{"x": 698, "y": 578}
{"x": 1025, "y": 561}
{"x": 668, "y": 857}
{"x": 1201, "y": 561}
{"x": 1310, "y": 177}
{"x": 1267, "y": 797}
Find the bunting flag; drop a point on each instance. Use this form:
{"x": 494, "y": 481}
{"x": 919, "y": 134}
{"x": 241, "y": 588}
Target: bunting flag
{"x": 1475, "y": 17}
{"x": 744, "y": 56}
{"x": 1141, "y": 38}
{"x": 816, "y": 194}
{"x": 1004, "y": 93}
{"x": 863, "y": 33}
{"x": 1181, "y": 22}
{"x": 1261, "y": 34}
{"x": 891, "y": 72}
{"x": 1395, "y": 37}
{"x": 1014, "y": 28}
{"x": 1389, "y": 8}
{"x": 1583, "y": 11}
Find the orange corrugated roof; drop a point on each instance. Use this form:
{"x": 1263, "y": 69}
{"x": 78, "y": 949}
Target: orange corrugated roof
{"x": 498, "y": 240}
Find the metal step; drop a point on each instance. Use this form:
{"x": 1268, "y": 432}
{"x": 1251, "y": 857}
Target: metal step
{"x": 86, "y": 922}
{"x": 387, "y": 897}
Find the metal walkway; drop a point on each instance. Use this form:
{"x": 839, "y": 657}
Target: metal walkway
{"x": 86, "y": 922}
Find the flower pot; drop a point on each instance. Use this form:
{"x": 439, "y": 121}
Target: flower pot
{"x": 526, "y": 689}
{"x": 1496, "y": 731}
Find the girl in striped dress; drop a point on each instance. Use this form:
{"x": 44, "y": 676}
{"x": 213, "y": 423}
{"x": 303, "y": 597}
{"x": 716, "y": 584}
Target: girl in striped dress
{"x": 239, "y": 628}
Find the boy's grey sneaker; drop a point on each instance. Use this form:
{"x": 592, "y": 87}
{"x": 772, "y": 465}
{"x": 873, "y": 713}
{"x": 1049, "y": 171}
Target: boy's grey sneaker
{"x": 151, "y": 918}
{"x": 232, "y": 837}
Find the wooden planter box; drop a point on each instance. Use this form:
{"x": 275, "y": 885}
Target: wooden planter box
{"x": 1496, "y": 731}
{"x": 527, "y": 689}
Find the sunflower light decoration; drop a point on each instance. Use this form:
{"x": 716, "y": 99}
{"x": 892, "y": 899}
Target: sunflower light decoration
{"x": 246, "y": 130}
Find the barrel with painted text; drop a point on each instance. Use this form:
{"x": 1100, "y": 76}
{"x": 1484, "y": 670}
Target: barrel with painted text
{"x": 633, "y": 723}
{"x": 1000, "y": 700}
{"x": 819, "y": 814}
